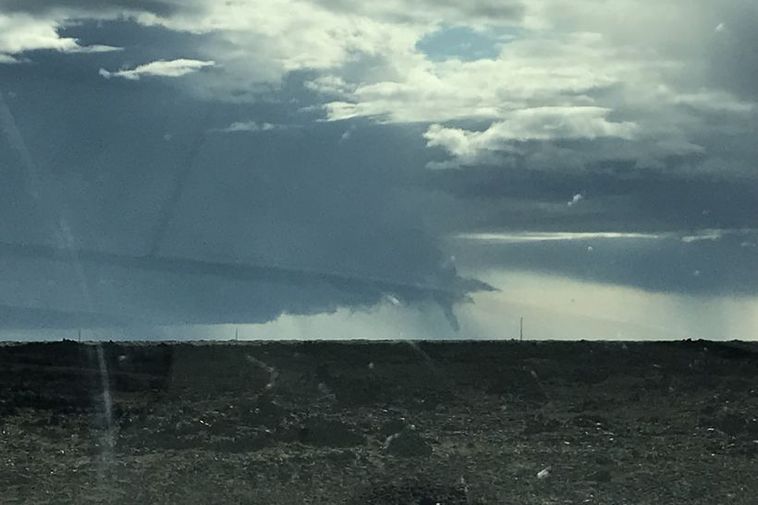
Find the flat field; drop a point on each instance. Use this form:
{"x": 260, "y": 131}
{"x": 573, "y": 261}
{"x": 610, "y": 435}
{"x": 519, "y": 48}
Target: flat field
{"x": 379, "y": 423}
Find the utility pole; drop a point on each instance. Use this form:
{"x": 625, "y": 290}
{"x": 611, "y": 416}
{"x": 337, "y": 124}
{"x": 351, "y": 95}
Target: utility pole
{"x": 80, "y": 335}
{"x": 521, "y": 329}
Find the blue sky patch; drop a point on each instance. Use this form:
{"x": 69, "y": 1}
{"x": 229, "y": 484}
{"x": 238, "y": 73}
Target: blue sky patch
{"x": 462, "y": 43}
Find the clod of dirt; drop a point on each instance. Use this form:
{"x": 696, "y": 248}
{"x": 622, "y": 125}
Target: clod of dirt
{"x": 540, "y": 424}
{"x": 732, "y": 424}
{"x": 356, "y": 391}
{"x": 516, "y": 384}
{"x": 591, "y": 421}
{"x": 262, "y": 413}
{"x": 6, "y": 409}
{"x": 407, "y": 444}
{"x": 412, "y": 493}
{"x": 341, "y": 457}
{"x": 601, "y": 475}
{"x": 392, "y": 426}
{"x": 326, "y": 433}
{"x": 247, "y": 443}
{"x": 591, "y": 375}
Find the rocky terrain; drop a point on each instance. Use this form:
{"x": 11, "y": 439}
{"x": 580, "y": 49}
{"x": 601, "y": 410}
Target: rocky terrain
{"x": 379, "y": 423}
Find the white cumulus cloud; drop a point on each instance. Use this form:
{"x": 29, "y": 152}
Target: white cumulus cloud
{"x": 21, "y": 32}
{"x": 535, "y": 124}
{"x": 575, "y": 199}
{"x": 660, "y": 95}
{"x": 248, "y": 126}
{"x": 160, "y": 68}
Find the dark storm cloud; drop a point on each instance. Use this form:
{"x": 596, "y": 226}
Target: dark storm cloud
{"x": 473, "y": 10}
{"x": 679, "y": 202}
{"x": 618, "y": 197}
{"x": 732, "y": 55}
{"x": 140, "y": 44}
{"x": 91, "y": 287}
{"x": 724, "y": 265}
{"x": 90, "y": 7}
{"x": 15, "y": 317}
{"x": 291, "y": 220}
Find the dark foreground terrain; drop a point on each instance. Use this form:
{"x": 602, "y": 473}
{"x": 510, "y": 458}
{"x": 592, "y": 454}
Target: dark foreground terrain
{"x": 379, "y": 423}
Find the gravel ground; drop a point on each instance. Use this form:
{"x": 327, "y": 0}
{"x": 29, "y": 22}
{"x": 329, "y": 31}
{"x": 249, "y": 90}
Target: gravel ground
{"x": 379, "y": 423}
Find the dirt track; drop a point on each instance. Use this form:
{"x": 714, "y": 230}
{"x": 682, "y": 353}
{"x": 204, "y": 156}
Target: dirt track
{"x": 379, "y": 423}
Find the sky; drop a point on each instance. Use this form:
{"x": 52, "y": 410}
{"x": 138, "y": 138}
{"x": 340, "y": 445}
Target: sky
{"x": 332, "y": 169}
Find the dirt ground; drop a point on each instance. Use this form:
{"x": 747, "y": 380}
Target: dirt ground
{"x": 379, "y": 423}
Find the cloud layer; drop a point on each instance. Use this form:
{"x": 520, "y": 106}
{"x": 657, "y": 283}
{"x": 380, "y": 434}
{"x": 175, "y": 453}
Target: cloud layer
{"x": 380, "y": 141}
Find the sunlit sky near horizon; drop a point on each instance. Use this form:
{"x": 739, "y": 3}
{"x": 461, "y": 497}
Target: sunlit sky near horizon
{"x": 326, "y": 169}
